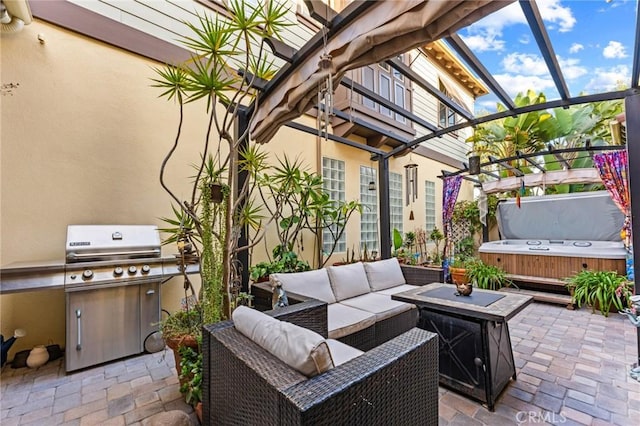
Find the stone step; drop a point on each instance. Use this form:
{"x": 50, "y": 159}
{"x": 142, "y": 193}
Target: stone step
{"x": 542, "y": 296}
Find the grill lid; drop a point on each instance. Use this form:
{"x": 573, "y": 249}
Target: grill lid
{"x": 111, "y": 242}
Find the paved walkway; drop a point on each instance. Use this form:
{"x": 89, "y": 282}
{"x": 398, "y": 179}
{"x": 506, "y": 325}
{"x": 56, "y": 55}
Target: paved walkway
{"x": 572, "y": 370}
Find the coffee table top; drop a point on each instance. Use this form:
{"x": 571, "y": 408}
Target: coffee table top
{"x": 503, "y": 309}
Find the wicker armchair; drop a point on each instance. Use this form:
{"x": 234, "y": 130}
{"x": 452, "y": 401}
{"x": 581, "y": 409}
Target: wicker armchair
{"x": 394, "y": 383}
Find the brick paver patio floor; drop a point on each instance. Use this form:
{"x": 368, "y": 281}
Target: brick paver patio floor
{"x": 572, "y": 369}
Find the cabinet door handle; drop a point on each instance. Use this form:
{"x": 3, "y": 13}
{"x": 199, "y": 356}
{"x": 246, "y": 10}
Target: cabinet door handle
{"x": 79, "y": 322}
{"x": 150, "y": 292}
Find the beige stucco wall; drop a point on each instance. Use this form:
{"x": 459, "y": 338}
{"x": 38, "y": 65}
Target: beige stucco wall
{"x": 83, "y": 137}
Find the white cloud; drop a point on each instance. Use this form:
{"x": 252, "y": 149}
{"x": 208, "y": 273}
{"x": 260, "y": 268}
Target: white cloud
{"x": 607, "y": 79}
{"x": 614, "y": 50}
{"x": 514, "y": 84}
{"x": 571, "y": 69}
{"x": 486, "y": 34}
{"x": 524, "y": 63}
{"x": 505, "y": 17}
{"x": 524, "y": 39}
{"x": 553, "y": 11}
{"x": 576, "y": 47}
{"x": 483, "y": 43}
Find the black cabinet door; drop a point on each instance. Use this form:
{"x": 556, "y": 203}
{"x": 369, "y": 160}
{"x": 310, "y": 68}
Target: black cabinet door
{"x": 462, "y": 364}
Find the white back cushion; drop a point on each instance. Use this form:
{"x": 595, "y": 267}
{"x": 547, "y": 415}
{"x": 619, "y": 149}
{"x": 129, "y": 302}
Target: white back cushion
{"x": 348, "y": 280}
{"x": 314, "y": 284}
{"x": 384, "y": 274}
{"x": 298, "y": 347}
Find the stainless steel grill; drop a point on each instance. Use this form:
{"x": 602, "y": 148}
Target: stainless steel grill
{"x": 112, "y": 284}
{"x": 111, "y": 275}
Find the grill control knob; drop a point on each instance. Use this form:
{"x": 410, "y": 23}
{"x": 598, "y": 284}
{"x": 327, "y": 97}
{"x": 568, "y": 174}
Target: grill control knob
{"x": 118, "y": 271}
{"x": 146, "y": 269}
{"x": 132, "y": 270}
{"x": 87, "y": 274}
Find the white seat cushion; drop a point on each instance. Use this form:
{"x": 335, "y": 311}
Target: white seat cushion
{"x": 348, "y": 280}
{"x": 380, "y": 305}
{"x": 341, "y": 353}
{"x": 396, "y": 290}
{"x": 384, "y": 274}
{"x": 344, "y": 320}
{"x": 314, "y": 284}
{"x": 298, "y": 347}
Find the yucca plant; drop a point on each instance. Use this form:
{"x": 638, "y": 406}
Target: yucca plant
{"x": 488, "y": 277}
{"x": 600, "y": 289}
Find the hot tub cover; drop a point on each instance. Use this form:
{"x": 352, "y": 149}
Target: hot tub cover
{"x": 575, "y": 216}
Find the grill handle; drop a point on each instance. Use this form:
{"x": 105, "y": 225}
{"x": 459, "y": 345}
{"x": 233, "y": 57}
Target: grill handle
{"x": 138, "y": 253}
{"x": 79, "y": 321}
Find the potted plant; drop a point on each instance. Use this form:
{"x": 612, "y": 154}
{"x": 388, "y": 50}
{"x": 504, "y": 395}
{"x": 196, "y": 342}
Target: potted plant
{"x": 284, "y": 261}
{"x": 486, "y": 276}
{"x": 182, "y": 329}
{"x": 458, "y": 270}
{"x": 436, "y": 236}
{"x": 602, "y": 290}
{"x": 191, "y": 378}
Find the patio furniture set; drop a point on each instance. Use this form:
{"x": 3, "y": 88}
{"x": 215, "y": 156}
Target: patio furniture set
{"x": 345, "y": 354}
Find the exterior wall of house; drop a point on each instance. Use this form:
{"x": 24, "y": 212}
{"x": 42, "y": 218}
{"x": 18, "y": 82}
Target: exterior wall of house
{"x": 83, "y": 137}
{"x": 425, "y": 105}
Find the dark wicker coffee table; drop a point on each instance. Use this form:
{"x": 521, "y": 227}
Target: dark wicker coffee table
{"x": 475, "y": 353}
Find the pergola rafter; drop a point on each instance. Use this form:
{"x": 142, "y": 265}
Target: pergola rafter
{"x": 333, "y": 23}
{"x": 531, "y": 12}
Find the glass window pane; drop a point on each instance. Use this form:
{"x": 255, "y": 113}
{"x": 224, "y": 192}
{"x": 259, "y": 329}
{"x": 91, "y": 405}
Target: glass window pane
{"x": 368, "y": 81}
{"x": 395, "y": 202}
{"x": 385, "y": 92}
{"x": 430, "y": 205}
{"x": 333, "y": 184}
{"x": 369, "y": 217}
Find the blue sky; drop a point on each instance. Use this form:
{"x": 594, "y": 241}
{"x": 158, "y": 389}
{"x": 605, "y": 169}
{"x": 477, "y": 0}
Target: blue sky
{"x": 593, "y": 40}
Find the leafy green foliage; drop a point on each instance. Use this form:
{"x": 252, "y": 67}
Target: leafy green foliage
{"x": 186, "y": 322}
{"x": 284, "y": 261}
{"x": 602, "y": 288}
{"x": 486, "y": 276}
{"x": 467, "y": 211}
{"x": 532, "y": 132}
{"x": 191, "y": 373}
{"x": 397, "y": 240}
{"x": 296, "y": 200}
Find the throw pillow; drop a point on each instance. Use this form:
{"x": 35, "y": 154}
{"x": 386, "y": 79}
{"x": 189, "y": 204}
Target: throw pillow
{"x": 384, "y": 274}
{"x": 314, "y": 284}
{"x": 298, "y": 347}
{"x": 348, "y": 280}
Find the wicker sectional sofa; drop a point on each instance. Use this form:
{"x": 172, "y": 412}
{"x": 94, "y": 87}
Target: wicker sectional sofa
{"x": 244, "y": 384}
{"x": 359, "y": 307}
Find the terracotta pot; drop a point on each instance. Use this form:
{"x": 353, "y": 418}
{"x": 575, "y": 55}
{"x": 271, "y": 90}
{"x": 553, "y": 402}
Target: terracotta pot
{"x": 459, "y": 275}
{"x": 174, "y": 343}
{"x": 198, "y": 410}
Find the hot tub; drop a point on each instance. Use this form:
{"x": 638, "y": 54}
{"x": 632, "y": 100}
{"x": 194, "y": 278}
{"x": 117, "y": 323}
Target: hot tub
{"x": 554, "y": 258}
{"x": 557, "y": 236}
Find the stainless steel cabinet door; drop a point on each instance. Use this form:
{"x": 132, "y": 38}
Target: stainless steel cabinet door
{"x": 99, "y": 325}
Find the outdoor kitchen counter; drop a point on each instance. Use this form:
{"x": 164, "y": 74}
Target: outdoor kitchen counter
{"x": 50, "y": 275}
{"x": 30, "y": 276}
